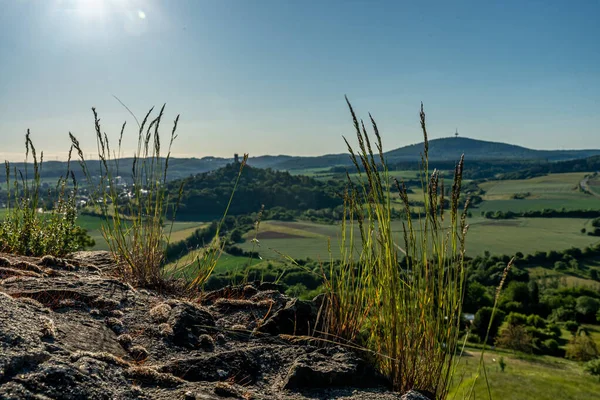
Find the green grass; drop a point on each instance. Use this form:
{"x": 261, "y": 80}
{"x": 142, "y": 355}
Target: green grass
{"x": 527, "y": 235}
{"x": 536, "y": 378}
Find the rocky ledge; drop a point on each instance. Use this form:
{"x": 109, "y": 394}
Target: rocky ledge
{"x": 70, "y": 330}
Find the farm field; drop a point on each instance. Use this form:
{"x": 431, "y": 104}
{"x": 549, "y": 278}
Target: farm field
{"x": 324, "y": 174}
{"x": 555, "y": 191}
{"x": 545, "y": 276}
{"x": 93, "y": 224}
{"x": 527, "y": 235}
{"x": 540, "y": 378}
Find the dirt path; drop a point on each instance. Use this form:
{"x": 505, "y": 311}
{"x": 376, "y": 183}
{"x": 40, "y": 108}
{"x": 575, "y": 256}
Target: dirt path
{"x": 584, "y": 184}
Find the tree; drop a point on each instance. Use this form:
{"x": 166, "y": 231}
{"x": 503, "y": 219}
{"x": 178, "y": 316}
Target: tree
{"x": 519, "y": 292}
{"x": 482, "y": 319}
{"x": 236, "y": 236}
{"x": 594, "y": 275}
{"x": 476, "y": 297}
{"x": 534, "y": 293}
{"x": 587, "y": 307}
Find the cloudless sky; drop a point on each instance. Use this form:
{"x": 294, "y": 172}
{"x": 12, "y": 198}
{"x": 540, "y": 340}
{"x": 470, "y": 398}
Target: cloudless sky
{"x": 269, "y": 76}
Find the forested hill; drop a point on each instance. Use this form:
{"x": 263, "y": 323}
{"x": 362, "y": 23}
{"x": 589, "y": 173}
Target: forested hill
{"x": 207, "y": 194}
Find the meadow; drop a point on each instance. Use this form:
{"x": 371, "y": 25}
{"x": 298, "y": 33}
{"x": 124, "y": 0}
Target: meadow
{"x": 554, "y": 191}
{"x": 524, "y": 377}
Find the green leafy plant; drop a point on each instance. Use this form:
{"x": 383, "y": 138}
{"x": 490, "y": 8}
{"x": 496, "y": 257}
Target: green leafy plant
{"x": 502, "y": 364}
{"x": 402, "y": 303}
{"x": 35, "y": 225}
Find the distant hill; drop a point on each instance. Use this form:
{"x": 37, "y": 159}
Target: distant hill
{"x": 451, "y": 149}
{"x": 445, "y": 149}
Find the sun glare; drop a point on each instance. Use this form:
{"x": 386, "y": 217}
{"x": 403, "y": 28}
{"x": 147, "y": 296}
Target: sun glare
{"x": 100, "y": 9}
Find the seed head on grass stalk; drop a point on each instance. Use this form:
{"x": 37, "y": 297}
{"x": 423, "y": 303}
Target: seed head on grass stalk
{"x": 402, "y": 304}
{"x": 134, "y": 222}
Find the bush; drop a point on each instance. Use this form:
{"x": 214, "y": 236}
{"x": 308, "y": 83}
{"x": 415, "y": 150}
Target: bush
{"x": 593, "y": 367}
{"x": 473, "y": 338}
{"x": 29, "y": 227}
{"x": 551, "y": 346}
{"x": 536, "y": 321}
{"x": 515, "y": 337}
{"x": 582, "y": 347}
{"x": 571, "y": 326}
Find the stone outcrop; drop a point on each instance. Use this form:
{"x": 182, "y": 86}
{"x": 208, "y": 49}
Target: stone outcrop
{"x": 70, "y": 330}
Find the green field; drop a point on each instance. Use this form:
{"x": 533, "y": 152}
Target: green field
{"x": 527, "y": 235}
{"x": 553, "y": 191}
{"x": 324, "y": 174}
{"x": 93, "y": 224}
{"x": 540, "y": 378}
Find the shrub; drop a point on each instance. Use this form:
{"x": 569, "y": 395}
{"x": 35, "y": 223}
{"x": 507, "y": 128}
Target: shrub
{"x": 502, "y": 364}
{"x": 30, "y": 228}
{"x": 593, "y": 367}
{"x": 571, "y": 326}
{"x": 551, "y": 346}
{"x": 536, "y": 321}
{"x": 515, "y": 337}
{"x": 582, "y": 347}
{"x": 516, "y": 319}
{"x": 408, "y": 313}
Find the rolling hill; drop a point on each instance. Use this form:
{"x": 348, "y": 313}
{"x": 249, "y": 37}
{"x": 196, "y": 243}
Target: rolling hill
{"x": 444, "y": 149}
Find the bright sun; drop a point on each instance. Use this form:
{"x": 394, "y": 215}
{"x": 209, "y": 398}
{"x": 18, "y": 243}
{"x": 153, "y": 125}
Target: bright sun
{"x": 99, "y": 9}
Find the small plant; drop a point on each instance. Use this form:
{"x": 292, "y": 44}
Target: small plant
{"x": 401, "y": 303}
{"x": 502, "y": 364}
{"x": 38, "y": 224}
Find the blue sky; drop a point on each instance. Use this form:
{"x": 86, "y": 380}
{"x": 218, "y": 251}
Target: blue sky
{"x": 269, "y": 76}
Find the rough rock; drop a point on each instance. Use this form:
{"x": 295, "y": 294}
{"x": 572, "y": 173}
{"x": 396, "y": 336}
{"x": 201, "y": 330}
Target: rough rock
{"x": 71, "y": 330}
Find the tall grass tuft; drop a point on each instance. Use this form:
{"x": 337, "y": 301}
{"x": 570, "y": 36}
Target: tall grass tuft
{"x": 403, "y": 303}
{"x": 135, "y": 225}
{"x": 38, "y": 223}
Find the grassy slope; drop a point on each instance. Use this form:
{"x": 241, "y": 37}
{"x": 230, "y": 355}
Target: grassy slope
{"x": 553, "y": 191}
{"x": 539, "y": 378}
